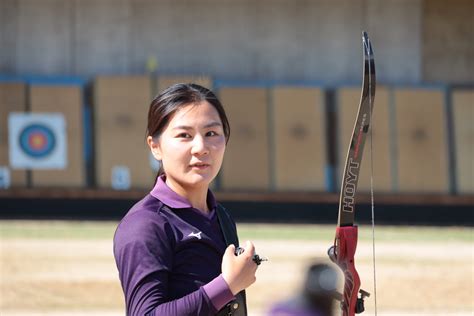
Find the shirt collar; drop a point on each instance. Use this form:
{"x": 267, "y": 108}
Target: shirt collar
{"x": 165, "y": 194}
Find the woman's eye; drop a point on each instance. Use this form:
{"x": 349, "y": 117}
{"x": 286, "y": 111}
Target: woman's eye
{"x": 211, "y": 133}
{"x": 184, "y": 135}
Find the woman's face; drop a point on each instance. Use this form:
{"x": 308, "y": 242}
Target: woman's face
{"x": 191, "y": 148}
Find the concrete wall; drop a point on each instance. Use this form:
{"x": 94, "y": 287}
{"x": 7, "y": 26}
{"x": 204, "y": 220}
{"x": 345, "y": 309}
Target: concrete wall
{"x": 288, "y": 40}
{"x": 448, "y": 32}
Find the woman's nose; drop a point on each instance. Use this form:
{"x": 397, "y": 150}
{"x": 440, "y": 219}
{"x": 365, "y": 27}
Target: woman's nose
{"x": 199, "y": 146}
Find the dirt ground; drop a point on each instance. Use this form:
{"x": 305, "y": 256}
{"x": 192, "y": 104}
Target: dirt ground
{"x": 78, "y": 277}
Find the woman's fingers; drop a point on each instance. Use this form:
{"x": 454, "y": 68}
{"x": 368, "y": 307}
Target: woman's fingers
{"x": 230, "y": 250}
{"x": 249, "y": 248}
{"x": 238, "y": 267}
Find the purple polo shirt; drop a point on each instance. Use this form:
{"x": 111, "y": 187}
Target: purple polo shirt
{"x": 169, "y": 256}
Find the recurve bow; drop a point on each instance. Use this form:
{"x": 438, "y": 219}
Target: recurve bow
{"x": 345, "y": 242}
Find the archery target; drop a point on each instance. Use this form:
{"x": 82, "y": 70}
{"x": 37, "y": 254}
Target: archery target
{"x": 37, "y": 141}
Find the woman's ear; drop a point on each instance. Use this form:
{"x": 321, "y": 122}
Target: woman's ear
{"x": 154, "y": 147}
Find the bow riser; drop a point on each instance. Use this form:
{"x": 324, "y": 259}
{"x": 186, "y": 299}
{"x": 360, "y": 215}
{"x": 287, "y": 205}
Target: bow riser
{"x": 346, "y": 241}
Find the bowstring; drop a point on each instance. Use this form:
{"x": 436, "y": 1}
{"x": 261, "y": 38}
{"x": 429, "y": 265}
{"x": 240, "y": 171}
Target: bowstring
{"x": 372, "y": 203}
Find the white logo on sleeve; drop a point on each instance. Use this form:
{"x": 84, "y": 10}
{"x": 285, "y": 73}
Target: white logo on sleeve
{"x": 197, "y": 235}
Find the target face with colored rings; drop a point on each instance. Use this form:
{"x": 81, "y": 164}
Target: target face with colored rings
{"x": 37, "y": 140}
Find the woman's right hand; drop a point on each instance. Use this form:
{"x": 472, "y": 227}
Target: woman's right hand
{"x": 239, "y": 271}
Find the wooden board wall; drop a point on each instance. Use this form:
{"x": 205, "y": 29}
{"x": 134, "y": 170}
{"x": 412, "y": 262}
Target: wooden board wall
{"x": 299, "y": 138}
{"x": 246, "y": 162}
{"x": 421, "y": 136}
{"x": 12, "y": 99}
{"x": 463, "y": 116}
{"x": 120, "y": 118}
{"x": 348, "y": 100}
{"x": 68, "y": 100}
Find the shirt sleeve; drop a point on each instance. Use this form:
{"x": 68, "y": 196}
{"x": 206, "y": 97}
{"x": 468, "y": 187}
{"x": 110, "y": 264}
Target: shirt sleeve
{"x": 143, "y": 250}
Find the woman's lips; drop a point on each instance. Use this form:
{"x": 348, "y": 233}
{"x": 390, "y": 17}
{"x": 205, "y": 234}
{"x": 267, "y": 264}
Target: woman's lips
{"x": 200, "y": 166}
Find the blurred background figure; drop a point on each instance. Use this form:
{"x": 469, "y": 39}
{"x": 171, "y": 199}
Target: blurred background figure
{"x": 317, "y": 296}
